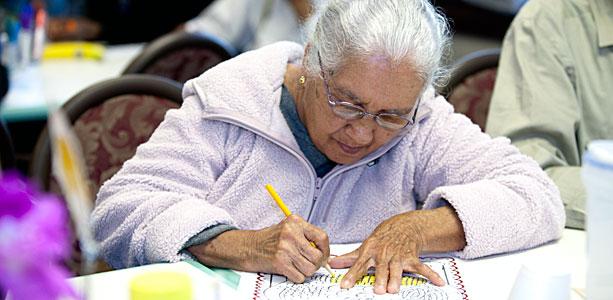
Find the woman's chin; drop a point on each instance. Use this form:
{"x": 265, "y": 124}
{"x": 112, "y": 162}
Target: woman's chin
{"x": 343, "y": 158}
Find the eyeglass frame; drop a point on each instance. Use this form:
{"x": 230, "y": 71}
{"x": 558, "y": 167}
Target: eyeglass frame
{"x": 362, "y": 112}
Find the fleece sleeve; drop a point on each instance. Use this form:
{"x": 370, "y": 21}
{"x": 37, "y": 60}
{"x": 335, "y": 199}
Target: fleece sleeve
{"x": 503, "y": 198}
{"x": 158, "y": 200}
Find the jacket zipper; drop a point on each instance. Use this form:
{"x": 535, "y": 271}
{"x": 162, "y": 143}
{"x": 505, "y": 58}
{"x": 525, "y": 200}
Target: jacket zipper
{"x": 318, "y": 183}
{"x": 331, "y": 175}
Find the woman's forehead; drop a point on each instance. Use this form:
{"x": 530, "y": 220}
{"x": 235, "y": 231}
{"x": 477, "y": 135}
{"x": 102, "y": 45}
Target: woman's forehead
{"x": 376, "y": 79}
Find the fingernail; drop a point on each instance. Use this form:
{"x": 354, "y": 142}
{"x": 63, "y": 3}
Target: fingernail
{"x": 439, "y": 282}
{"x": 344, "y": 283}
{"x": 379, "y": 289}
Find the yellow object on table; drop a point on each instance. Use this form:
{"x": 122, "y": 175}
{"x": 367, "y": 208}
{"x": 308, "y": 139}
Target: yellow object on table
{"x": 87, "y": 50}
{"x": 161, "y": 286}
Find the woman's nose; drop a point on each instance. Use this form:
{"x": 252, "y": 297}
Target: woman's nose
{"x": 362, "y": 131}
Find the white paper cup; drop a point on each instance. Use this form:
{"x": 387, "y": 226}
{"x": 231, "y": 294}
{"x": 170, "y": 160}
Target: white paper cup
{"x": 541, "y": 282}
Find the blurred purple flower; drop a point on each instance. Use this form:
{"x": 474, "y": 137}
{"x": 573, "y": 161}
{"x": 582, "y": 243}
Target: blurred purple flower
{"x": 34, "y": 241}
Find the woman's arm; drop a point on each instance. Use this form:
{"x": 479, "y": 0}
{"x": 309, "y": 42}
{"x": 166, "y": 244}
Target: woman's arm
{"x": 280, "y": 249}
{"x": 503, "y": 198}
{"x": 158, "y": 200}
{"x": 481, "y": 197}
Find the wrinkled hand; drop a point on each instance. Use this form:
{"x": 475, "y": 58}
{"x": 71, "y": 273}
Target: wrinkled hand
{"x": 284, "y": 248}
{"x": 287, "y": 250}
{"x": 392, "y": 248}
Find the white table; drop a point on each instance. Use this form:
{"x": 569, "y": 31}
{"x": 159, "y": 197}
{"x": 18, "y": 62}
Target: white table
{"x": 493, "y": 277}
{"x": 115, "y": 284}
{"x": 487, "y": 278}
{"x": 35, "y": 88}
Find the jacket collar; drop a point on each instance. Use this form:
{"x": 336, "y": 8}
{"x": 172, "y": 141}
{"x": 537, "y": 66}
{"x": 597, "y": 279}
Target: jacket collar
{"x": 251, "y": 91}
{"x": 248, "y": 87}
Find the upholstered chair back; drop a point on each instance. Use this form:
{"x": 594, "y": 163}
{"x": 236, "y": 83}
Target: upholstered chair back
{"x": 180, "y": 56}
{"x": 471, "y": 84}
{"x": 111, "y": 119}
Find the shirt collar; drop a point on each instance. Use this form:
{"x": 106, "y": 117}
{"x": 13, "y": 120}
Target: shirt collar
{"x": 603, "y": 15}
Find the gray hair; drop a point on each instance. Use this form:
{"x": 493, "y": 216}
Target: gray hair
{"x": 401, "y": 30}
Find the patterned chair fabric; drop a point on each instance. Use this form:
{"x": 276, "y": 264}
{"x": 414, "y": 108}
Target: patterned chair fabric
{"x": 184, "y": 64}
{"x": 109, "y": 133}
{"x": 110, "y": 119}
{"x": 471, "y": 84}
{"x": 472, "y": 96}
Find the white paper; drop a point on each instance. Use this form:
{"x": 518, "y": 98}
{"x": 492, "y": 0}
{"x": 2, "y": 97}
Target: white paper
{"x": 323, "y": 286}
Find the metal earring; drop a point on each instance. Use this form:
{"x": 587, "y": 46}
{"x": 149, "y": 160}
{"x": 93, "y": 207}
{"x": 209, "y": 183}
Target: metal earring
{"x": 302, "y": 80}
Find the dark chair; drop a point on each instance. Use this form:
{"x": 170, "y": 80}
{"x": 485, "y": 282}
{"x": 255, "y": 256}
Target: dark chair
{"x": 7, "y": 154}
{"x": 4, "y": 81}
{"x": 111, "y": 119}
{"x": 471, "y": 84}
{"x": 180, "y": 56}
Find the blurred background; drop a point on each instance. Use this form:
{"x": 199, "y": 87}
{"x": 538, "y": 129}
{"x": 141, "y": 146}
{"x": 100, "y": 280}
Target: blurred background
{"x": 52, "y": 50}
{"x": 116, "y": 67}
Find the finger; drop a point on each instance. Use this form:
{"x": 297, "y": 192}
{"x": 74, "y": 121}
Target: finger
{"x": 296, "y": 219}
{"x": 310, "y": 252}
{"x": 283, "y": 265}
{"x": 381, "y": 275}
{"x": 393, "y": 285}
{"x": 292, "y": 240}
{"x": 319, "y": 237}
{"x": 344, "y": 261}
{"x": 430, "y": 274}
{"x": 302, "y": 241}
{"x": 304, "y": 266}
{"x": 355, "y": 272}
{"x": 293, "y": 274}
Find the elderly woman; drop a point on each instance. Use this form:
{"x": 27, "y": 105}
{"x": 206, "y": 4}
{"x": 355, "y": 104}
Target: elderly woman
{"x": 350, "y": 133}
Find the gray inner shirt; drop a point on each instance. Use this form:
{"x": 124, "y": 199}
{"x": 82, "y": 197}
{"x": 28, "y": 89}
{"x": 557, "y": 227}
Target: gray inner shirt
{"x": 318, "y": 160}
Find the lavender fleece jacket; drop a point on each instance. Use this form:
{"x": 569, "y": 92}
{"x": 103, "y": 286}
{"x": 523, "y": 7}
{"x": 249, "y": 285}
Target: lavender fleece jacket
{"x": 208, "y": 162}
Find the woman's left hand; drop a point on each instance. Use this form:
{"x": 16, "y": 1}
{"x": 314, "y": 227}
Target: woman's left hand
{"x": 392, "y": 248}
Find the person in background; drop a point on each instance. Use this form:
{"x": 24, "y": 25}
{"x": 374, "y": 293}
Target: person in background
{"x": 553, "y": 91}
{"x": 248, "y": 25}
{"x": 67, "y": 20}
{"x": 118, "y": 21}
{"x": 349, "y": 131}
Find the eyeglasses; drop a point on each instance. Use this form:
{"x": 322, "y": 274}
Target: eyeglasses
{"x": 350, "y": 111}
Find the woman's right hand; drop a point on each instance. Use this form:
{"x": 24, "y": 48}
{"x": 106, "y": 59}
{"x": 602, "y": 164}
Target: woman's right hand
{"x": 283, "y": 249}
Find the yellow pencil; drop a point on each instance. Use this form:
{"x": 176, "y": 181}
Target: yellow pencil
{"x": 287, "y": 212}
